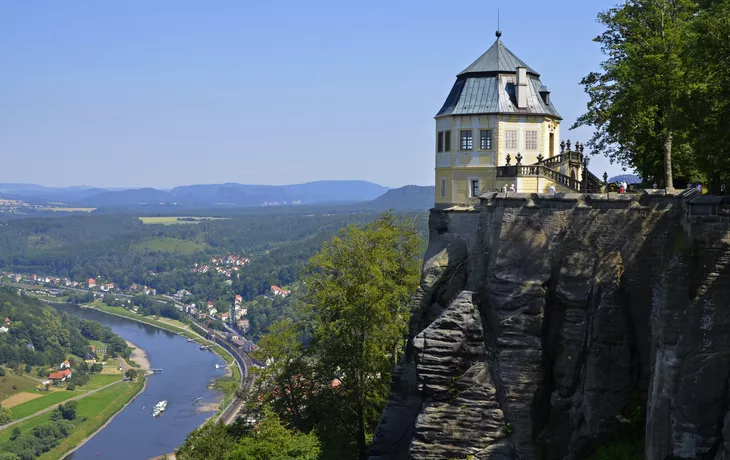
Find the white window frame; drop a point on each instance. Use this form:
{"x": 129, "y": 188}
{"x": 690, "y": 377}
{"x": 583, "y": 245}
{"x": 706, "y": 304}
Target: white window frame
{"x": 489, "y": 139}
{"x": 516, "y": 139}
{"x": 470, "y": 140}
{"x": 529, "y": 132}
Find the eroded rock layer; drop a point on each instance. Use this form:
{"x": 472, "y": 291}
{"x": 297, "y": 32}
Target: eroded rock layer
{"x": 541, "y": 323}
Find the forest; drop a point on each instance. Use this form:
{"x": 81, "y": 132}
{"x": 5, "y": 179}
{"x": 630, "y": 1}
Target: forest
{"x": 38, "y": 335}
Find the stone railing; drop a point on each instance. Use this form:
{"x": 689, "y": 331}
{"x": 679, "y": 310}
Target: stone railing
{"x": 539, "y": 170}
{"x": 572, "y": 157}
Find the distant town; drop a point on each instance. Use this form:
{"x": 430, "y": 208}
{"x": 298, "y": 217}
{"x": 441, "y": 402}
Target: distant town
{"x": 226, "y": 266}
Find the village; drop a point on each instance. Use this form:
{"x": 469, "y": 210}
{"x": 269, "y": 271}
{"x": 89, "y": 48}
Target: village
{"x": 232, "y": 313}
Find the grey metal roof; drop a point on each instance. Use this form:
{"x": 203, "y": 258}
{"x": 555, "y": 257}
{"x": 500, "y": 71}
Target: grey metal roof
{"x": 494, "y": 94}
{"x": 487, "y": 87}
{"x": 498, "y": 58}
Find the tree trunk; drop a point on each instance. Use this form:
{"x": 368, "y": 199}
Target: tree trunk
{"x": 668, "y": 180}
{"x": 361, "y": 443}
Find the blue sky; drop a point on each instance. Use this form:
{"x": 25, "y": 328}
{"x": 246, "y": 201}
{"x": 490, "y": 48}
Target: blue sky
{"x": 164, "y": 93}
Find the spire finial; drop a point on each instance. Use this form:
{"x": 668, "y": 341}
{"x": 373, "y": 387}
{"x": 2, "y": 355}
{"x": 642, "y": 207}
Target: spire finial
{"x": 499, "y": 32}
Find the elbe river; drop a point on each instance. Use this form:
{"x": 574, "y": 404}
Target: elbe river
{"x": 186, "y": 373}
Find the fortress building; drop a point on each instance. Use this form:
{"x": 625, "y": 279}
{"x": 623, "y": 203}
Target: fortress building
{"x": 499, "y": 127}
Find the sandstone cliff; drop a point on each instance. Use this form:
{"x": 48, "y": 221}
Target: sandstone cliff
{"x": 546, "y": 327}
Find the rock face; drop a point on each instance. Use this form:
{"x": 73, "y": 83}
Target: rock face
{"x": 541, "y": 321}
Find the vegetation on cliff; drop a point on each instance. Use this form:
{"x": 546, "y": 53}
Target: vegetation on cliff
{"x": 328, "y": 374}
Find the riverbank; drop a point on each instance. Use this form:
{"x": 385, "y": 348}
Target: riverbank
{"x": 139, "y": 356}
{"x": 93, "y": 413}
{"x": 94, "y": 424}
{"x": 228, "y": 385}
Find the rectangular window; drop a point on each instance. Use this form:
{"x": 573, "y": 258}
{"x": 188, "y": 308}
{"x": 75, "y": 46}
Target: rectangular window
{"x": 485, "y": 139}
{"x": 511, "y": 139}
{"x": 467, "y": 140}
{"x": 443, "y": 187}
{"x": 474, "y": 188}
{"x": 531, "y": 139}
{"x": 440, "y": 142}
{"x": 447, "y": 141}
{"x": 552, "y": 145}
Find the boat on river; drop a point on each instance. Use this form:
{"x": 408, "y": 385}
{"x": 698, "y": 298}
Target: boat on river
{"x": 159, "y": 408}
{"x": 191, "y": 340}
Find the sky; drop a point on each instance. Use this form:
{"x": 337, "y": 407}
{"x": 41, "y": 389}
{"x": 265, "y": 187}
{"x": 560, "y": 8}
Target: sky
{"x": 174, "y": 92}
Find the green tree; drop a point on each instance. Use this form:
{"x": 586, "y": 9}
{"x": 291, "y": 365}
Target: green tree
{"x": 211, "y": 440}
{"x": 709, "y": 63}
{"x": 131, "y": 374}
{"x": 636, "y": 101}
{"x": 359, "y": 287}
{"x": 4, "y": 415}
{"x": 286, "y": 380}
{"x": 15, "y": 433}
{"x": 271, "y": 440}
{"x": 68, "y": 410}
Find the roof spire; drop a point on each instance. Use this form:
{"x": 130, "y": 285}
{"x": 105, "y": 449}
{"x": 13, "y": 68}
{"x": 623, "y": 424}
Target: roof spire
{"x": 499, "y": 32}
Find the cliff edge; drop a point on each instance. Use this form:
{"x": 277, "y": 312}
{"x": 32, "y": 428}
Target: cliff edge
{"x": 547, "y": 327}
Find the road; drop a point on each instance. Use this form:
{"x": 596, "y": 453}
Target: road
{"x": 228, "y": 415}
{"x": 48, "y": 409}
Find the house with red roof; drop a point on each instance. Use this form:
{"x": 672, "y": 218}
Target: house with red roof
{"x": 7, "y": 320}
{"x": 65, "y": 365}
{"x": 276, "y": 290}
{"x": 92, "y": 283}
{"x": 60, "y": 376}
{"x": 238, "y": 299}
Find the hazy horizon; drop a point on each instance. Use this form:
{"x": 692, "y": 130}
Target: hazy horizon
{"x": 172, "y": 93}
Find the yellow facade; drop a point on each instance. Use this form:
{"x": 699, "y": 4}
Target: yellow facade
{"x": 510, "y": 134}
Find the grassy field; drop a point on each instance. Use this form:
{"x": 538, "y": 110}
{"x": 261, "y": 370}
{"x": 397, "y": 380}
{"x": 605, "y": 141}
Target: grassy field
{"x": 97, "y": 409}
{"x": 33, "y": 406}
{"x": 167, "y": 220}
{"x": 171, "y": 245}
{"x": 11, "y": 383}
{"x": 170, "y": 325}
{"x": 99, "y": 380}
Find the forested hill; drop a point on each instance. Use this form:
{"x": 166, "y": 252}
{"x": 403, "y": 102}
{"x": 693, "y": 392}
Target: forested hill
{"x": 124, "y": 250}
{"x": 38, "y": 335}
{"x": 405, "y": 198}
{"x": 201, "y": 196}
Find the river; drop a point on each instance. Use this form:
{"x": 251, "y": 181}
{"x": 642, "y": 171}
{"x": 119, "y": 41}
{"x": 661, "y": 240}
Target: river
{"x": 186, "y": 373}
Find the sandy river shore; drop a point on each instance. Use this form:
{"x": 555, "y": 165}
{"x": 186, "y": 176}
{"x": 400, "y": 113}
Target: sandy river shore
{"x": 139, "y": 356}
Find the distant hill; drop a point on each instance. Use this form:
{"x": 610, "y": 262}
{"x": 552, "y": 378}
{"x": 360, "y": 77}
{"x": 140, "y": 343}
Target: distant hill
{"x": 38, "y": 193}
{"x": 410, "y": 197}
{"x": 199, "y": 196}
{"x": 629, "y": 178}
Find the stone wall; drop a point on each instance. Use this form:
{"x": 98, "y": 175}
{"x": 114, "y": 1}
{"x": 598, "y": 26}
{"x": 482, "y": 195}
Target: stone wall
{"x": 540, "y": 319}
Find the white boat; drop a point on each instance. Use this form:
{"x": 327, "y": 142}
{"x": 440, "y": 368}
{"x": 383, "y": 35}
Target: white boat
{"x": 159, "y": 408}
{"x": 219, "y": 366}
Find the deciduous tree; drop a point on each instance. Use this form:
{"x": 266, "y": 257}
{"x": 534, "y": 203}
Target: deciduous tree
{"x": 359, "y": 286}
{"x": 636, "y": 99}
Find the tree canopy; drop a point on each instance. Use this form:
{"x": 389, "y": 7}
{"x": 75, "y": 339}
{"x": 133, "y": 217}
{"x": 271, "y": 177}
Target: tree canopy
{"x": 661, "y": 99}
